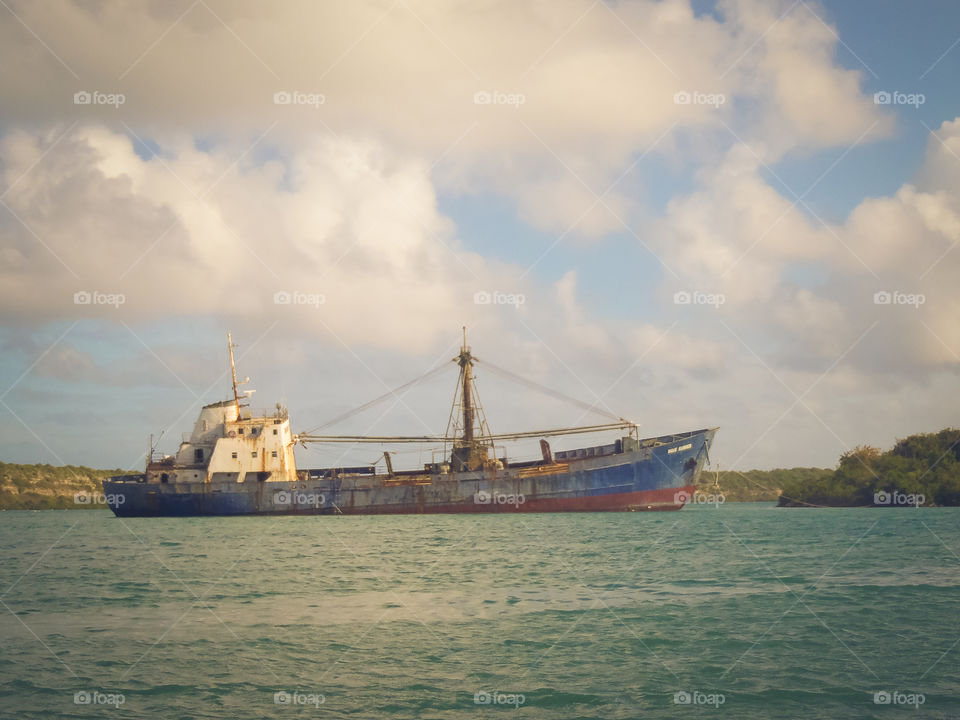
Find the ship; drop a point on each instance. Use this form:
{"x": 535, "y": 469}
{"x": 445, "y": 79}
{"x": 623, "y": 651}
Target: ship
{"x": 238, "y": 461}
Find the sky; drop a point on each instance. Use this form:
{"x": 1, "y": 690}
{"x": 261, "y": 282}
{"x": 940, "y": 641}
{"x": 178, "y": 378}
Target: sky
{"x": 740, "y": 214}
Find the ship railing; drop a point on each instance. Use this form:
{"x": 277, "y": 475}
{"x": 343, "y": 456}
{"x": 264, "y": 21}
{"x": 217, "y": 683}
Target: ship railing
{"x": 264, "y": 413}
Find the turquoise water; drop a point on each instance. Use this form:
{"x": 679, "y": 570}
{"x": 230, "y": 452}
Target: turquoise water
{"x": 753, "y": 611}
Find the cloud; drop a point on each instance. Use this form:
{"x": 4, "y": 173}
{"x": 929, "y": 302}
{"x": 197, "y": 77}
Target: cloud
{"x": 803, "y": 100}
{"x": 809, "y": 288}
{"x": 549, "y": 105}
{"x": 349, "y": 228}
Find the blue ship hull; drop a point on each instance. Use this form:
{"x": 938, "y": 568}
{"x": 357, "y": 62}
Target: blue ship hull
{"x": 658, "y": 474}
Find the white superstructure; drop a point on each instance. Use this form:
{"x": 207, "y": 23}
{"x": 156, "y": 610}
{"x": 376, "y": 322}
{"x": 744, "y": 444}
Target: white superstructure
{"x": 230, "y": 443}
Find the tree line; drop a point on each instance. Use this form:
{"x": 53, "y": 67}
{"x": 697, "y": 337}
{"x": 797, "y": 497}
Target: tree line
{"x": 922, "y": 469}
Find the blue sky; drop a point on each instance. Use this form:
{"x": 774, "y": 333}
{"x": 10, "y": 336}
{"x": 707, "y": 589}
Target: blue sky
{"x": 398, "y": 198}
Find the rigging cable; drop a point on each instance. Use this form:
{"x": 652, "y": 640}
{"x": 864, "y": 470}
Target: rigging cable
{"x": 377, "y": 400}
{"x": 548, "y": 391}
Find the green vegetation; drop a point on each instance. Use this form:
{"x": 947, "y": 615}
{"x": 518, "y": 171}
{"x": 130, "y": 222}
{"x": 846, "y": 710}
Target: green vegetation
{"x": 925, "y": 465}
{"x": 47, "y": 487}
{"x": 756, "y": 485}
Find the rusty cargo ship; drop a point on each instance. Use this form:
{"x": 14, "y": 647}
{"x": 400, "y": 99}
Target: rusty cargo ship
{"x": 237, "y": 461}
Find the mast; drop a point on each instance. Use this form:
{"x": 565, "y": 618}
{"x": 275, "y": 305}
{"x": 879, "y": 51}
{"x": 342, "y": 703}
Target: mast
{"x": 233, "y": 374}
{"x": 470, "y": 445}
{"x": 466, "y": 367}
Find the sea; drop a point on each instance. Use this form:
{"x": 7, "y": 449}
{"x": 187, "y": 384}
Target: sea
{"x": 719, "y": 610}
